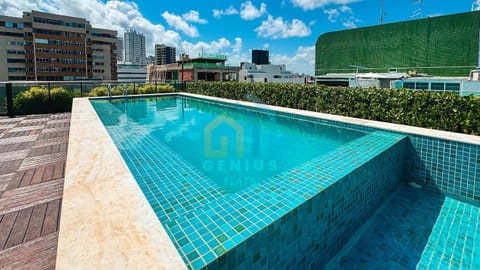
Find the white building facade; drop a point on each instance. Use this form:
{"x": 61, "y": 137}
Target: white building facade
{"x": 129, "y": 73}
{"x": 250, "y": 72}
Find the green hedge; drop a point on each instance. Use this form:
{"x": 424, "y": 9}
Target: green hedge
{"x": 428, "y": 109}
{"x": 117, "y": 90}
{"x": 36, "y": 100}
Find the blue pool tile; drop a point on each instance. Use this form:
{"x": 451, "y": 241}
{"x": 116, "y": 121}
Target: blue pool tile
{"x": 194, "y": 208}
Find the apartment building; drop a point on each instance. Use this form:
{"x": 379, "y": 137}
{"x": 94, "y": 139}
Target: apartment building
{"x": 12, "y": 51}
{"x": 134, "y": 48}
{"x": 50, "y": 47}
{"x": 164, "y": 55}
{"x": 120, "y": 50}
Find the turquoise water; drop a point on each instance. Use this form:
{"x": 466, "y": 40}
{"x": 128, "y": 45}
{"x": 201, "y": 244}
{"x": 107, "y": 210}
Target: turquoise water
{"x": 416, "y": 229}
{"x": 252, "y": 189}
{"x": 235, "y": 148}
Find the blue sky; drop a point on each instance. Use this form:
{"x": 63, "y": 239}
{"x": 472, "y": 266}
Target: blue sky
{"x": 288, "y": 28}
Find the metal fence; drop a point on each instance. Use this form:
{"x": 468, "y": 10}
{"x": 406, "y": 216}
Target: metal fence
{"x": 10, "y": 90}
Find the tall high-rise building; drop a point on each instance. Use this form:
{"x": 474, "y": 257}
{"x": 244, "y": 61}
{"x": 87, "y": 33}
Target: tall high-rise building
{"x": 260, "y": 57}
{"x": 164, "y": 55}
{"x": 120, "y": 51}
{"x": 44, "y": 46}
{"x": 135, "y": 47}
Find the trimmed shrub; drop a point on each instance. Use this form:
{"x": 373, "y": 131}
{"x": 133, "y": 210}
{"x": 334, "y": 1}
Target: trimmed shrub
{"x": 36, "y": 100}
{"x": 150, "y": 89}
{"x": 435, "y": 110}
{"x": 117, "y": 90}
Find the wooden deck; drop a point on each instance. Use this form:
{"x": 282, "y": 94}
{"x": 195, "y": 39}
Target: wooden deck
{"x": 33, "y": 152}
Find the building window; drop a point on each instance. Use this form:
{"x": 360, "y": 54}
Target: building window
{"x": 41, "y": 41}
{"x": 437, "y": 86}
{"x": 15, "y": 52}
{"x": 452, "y": 86}
{"x": 421, "y": 86}
{"x": 13, "y": 60}
{"x": 409, "y": 85}
{"x": 16, "y": 43}
{"x": 9, "y": 24}
{"x": 16, "y": 78}
{"x": 16, "y": 69}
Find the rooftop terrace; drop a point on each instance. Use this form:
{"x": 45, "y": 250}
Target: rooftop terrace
{"x": 33, "y": 152}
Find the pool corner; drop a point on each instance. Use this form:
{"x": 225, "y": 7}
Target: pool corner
{"x": 100, "y": 227}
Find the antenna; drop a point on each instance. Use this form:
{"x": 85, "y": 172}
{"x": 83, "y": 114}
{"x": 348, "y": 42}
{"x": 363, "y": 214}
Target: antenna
{"x": 381, "y": 11}
{"x": 418, "y": 12}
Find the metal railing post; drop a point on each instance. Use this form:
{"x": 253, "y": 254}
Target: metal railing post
{"x": 81, "y": 89}
{"x": 134, "y": 87}
{"x": 49, "y": 94}
{"x": 9, "y": 96}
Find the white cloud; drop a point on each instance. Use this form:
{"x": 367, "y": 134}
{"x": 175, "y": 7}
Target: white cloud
{"x": 476, "y": 5}
{"x": 235, "y": 59}
{"x": 249, "y": 12}
{"x": 302, "y": 62}
{"x": 194, "y": 17}
{"x": 313, "y": 4}
{"x": 333, "y": 14}
{"x": 217, "y": 13}
{"x": 237, "y": 47}
{"x": 219, "y": 46}
{"x": 278, "y": 28}
{"x": 344, "y": 14}
{"x": 179, "y": 23}
{"x": 346, "y": 9}
{"x": 349, "y": 24}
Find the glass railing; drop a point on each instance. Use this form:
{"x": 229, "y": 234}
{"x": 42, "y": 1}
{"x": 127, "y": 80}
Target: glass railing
{"x": 56, "y": 96}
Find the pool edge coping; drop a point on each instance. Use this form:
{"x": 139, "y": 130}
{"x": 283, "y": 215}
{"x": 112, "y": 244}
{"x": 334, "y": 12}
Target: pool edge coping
{"x": 98, "y": 227}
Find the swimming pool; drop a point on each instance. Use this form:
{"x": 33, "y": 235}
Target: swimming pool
{"x": 233, "y": 147}
{"x": 228, "y": 181}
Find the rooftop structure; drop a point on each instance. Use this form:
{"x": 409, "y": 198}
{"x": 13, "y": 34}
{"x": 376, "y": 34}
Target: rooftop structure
{"x": 260, "y": 57}
{"x": 440, "y": 46}
{"x": 205, "y": 67}
{"x": 130, "y": 72}
{"x": 250, "y": 72}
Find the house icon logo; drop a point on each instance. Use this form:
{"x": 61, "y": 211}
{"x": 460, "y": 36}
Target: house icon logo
{"x": 222, "y": 150}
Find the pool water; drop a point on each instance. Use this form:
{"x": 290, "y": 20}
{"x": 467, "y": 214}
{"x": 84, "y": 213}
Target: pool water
{"x": 233, "y": 147}
{"x": 416, "y": 229}
{"x": 249, "y": 188}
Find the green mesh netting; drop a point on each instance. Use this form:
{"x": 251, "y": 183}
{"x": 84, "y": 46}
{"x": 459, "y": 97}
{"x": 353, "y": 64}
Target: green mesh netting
{"x": 442, "y": 46}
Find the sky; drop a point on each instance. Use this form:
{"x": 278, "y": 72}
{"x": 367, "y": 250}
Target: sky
{"x": 287, "y": 28}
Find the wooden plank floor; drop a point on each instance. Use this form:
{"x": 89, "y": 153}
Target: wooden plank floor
{"x": 33, "y": 152}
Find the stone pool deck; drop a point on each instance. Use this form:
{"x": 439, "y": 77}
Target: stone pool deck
{"x": 33, "y": 152}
